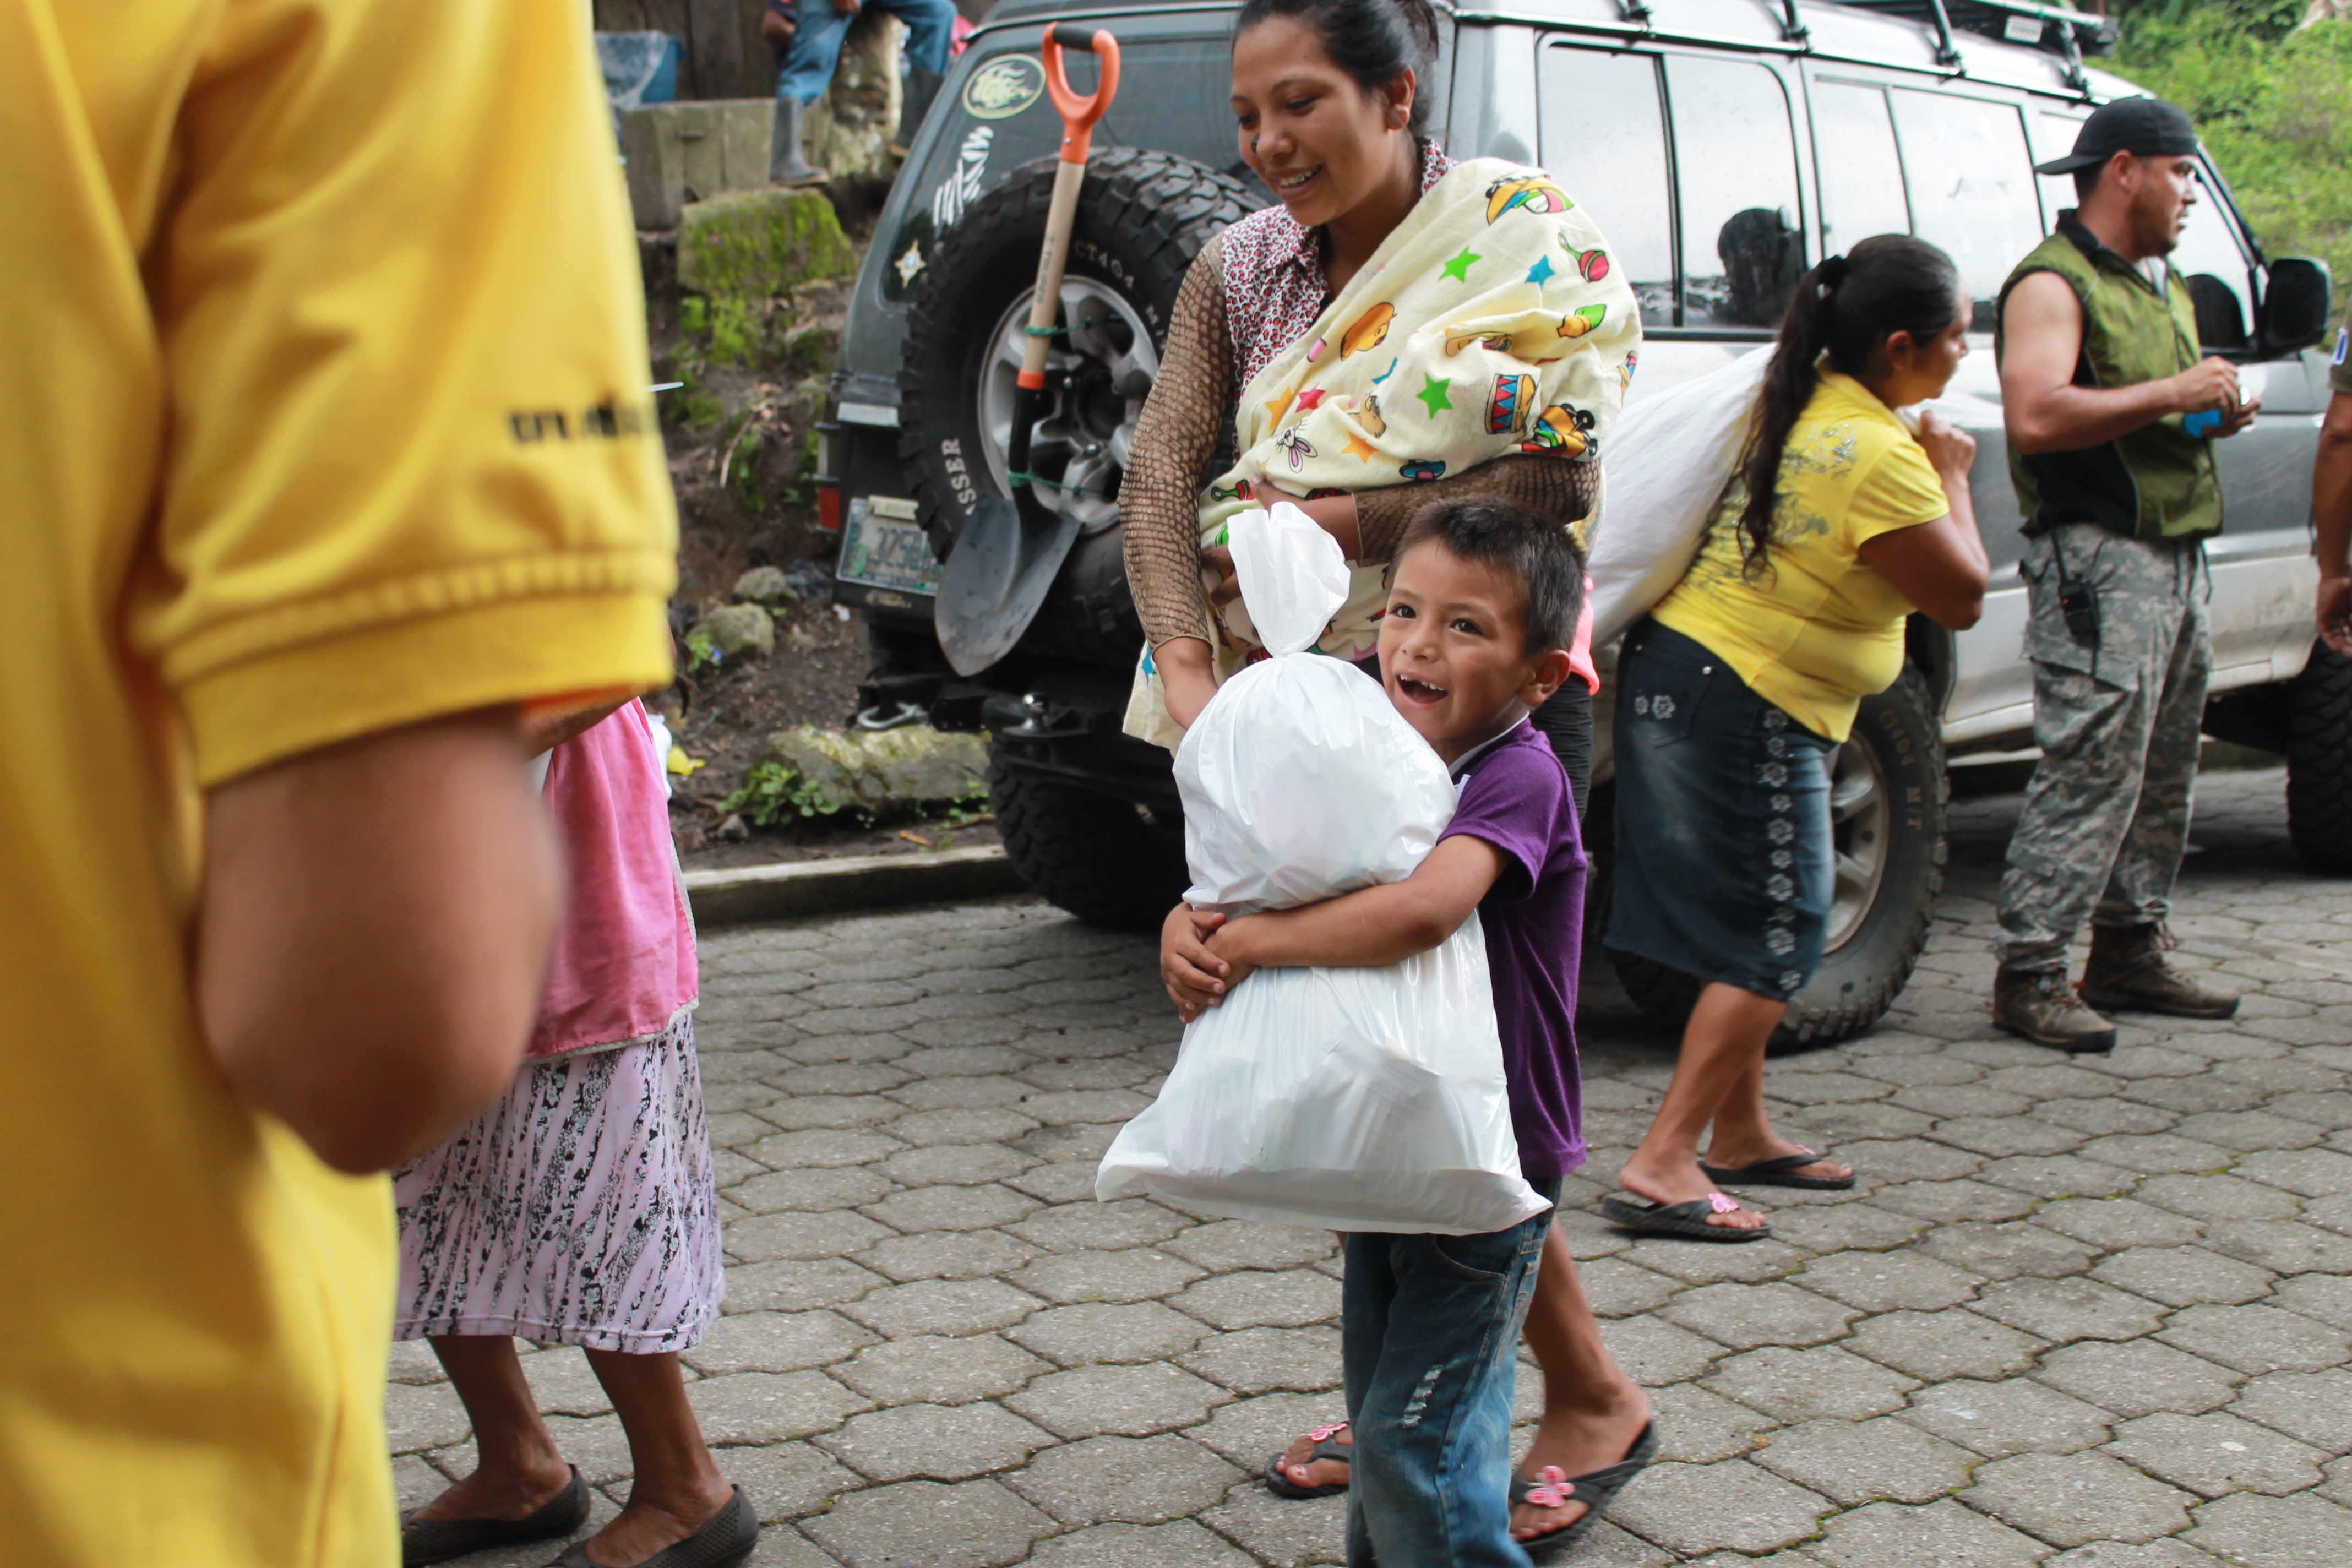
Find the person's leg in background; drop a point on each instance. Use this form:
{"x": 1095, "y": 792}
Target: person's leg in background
{"x": 804, "y": 74}
{"x": 1566, "y": 720}
{"x": 931, "y": 32}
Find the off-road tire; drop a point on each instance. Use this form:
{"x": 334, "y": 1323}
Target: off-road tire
{"x": 1859, "y": 980}
{"x": 2319, "y": 761}
{"x": 1097, "y": 857}
{"x": 1142, "y": 219}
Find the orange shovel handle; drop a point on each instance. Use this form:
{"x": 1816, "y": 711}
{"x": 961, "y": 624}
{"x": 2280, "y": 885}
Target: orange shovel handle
{"x": 1079, "y": 114}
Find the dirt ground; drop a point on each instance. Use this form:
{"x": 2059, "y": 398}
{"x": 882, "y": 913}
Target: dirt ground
{"x": 737, "y": 463}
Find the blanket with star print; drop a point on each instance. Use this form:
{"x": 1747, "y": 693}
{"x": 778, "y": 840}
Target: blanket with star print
{"x": 1493, "y": 321}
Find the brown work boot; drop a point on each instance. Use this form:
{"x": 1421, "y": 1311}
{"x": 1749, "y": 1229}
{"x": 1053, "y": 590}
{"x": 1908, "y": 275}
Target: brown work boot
{"x": 2127, "y": 974}
{"x": 2041, "y": 1005}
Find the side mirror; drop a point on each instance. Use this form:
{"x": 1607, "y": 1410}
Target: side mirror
{"x": 2294, "y": 310}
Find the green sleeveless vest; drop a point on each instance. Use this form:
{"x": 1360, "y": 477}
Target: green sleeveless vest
{"x": 2158, "y": 481}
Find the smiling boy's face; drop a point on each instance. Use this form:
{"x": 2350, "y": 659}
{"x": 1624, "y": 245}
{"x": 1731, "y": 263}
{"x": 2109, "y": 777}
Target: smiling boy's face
{"x": 1451, "y": 653}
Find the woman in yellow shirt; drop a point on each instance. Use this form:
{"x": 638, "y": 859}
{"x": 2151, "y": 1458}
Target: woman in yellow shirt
{"x": 1740, "y": 684}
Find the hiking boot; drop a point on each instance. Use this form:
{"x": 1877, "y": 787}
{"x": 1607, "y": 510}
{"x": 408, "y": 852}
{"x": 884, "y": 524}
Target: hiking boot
{"x": 2041, "y": 1005}
{"x": 922, "y": 88}
{"x": 785, "y": 165}
{"x": 2127, "y": 974}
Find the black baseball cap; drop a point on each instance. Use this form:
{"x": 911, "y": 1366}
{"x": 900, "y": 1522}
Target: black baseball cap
{"x": 2147, "y": 126}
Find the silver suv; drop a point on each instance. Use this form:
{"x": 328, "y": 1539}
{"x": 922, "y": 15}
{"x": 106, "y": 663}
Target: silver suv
{"x": 1723, "y": 145}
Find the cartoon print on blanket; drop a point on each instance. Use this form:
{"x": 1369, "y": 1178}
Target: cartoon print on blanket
{"x": 1496, "y": 300}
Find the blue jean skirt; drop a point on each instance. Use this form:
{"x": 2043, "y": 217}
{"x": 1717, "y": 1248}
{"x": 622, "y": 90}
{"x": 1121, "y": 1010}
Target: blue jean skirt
{"x": 1722, "y": 864}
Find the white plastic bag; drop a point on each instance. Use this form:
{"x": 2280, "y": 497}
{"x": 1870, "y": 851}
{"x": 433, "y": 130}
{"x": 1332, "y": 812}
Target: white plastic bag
{"x": 1350, "y": 1099}
{"x": 1670, "y": 458}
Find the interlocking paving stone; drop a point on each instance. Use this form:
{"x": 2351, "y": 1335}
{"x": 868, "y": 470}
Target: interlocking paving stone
{"x": 2282, "y": 1247}
{"x": 2117, "y": 1222}
{"x": 2315, "y": 1407}
{"x": 942, "y": 1306}
{"x": 2216, "y": 1198}
{"x": 2015, "y": 1416}
{"x": 1696, "y": 1426}
{"x": 1281, "y": 1531}
{"x": 2256, "y": 1337}
{"x": 794, "y": 1287}
{"x": 1938, "y": 1345}
{"x": 1261, "y": 1360}
{"x": 2168, "y": 1552}
{"x": 1177, "y": 1544}
{"x": 1131, "y": 1481}
{"x": 2183, "y": 1275}
{"x": 1253, "y": 1298}
{"x": 932, "y": 1369}
{"x": 1884, "y": 1281}
{"x": 417, "y": 1418}
{"x": 947, "y": 1255}
{"x": 2007, "y": 1249}
{"x": 770, "y": 1342}
{"x": 1126, "y": 1401}
{"x": 785, "y": 1480}
{"x": 1891, "y": 1535}
{"x": 1653, "y": 1351}
{"x": 2071, "y": 1499}
{"x": 1747, "y": 1316}
{"x": 1947, "y": 1202}
{"x": 2063, "y": 1310}
{"x": 938, "y": 1442}
{"x": 2250, "y": 1531}
{"x": 973, "y": 1208}
{"x": 1240, "y": 1244}
{"x": 1732, "y": 1505}
{"x": 2138, "y": 1377}
{"x": 813, "y": 1192}
{"x": 1798, "y": 1385}
{"x": 972, "y": 1524}
{"x": 2215, "y": 1455}
{"x": 1856, "y": 1461}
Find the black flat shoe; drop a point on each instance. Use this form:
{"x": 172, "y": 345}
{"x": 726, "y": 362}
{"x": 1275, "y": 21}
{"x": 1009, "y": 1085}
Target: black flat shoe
{"x": 725, "y": 1540}
{"x": 423, "y": 1541}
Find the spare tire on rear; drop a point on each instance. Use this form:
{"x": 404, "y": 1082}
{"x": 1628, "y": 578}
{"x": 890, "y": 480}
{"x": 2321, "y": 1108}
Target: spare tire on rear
{"x": 1142, "y": 219}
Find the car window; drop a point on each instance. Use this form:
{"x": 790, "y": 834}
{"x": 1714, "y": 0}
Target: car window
{"x": 2212, "y": 259}
{"x": 1603, "y": 138}
{"x": 1971, "y": 183}
{"x": 1743, "y": 243}
{"x": 2053, "y": 138}
{"x": 1861, "y": 174}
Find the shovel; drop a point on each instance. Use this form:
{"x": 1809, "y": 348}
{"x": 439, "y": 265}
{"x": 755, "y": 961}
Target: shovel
{"x": 1010, "y": 548}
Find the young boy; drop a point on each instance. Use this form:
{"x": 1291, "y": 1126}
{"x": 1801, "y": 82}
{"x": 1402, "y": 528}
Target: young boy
{"x": 1482, "y": 605}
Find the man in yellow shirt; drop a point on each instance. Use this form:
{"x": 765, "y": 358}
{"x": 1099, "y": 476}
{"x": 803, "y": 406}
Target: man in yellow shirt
{"x": 325, "y": 450}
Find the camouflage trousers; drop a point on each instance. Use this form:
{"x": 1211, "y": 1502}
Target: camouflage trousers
{"x": 2106, "y": 817}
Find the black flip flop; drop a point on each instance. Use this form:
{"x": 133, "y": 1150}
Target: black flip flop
{"x": 423, "y": 1541}
{"x": 1775, "y": 1172}
{"x": 725, "y": 1540}
{"x": 1281, "y": 1485}
{"x": 1688, "y": 1220}
{"x": 1595, "y": 1488}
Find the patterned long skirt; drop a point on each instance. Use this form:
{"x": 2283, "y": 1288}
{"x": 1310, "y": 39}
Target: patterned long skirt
{"x": 579, "y": 1209}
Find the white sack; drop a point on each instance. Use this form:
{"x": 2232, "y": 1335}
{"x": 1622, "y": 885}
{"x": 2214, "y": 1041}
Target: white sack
{"x": 1351, "y": 1099}
{"x": 1670, "y": 461}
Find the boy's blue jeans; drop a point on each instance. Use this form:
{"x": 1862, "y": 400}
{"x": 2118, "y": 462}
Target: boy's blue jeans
{"x": 1429, "y": 1339}
{"x": 806, "y": 69}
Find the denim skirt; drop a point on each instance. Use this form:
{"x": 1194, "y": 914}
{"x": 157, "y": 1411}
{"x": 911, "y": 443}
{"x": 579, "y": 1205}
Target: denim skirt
{"x": 1723, "y": 863}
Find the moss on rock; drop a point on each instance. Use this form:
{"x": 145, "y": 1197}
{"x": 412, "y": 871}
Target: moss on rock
{"x": 754, "y": 245}
{"x": 879, "y": 770}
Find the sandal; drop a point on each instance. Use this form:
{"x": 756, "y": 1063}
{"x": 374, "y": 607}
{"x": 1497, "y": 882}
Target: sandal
{"x": 1281, "y": 1485}
{"x": 1596, "y": 1489}
{"x": 1682, "y": 1219}
{"x": 1775, "y": 1172}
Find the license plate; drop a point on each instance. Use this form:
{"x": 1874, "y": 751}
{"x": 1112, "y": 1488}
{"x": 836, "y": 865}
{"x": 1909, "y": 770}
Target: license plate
{"x": 886, "y": 551}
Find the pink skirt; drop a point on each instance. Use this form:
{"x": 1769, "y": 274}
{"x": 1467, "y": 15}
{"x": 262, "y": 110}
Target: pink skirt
{"x": 579, "y": 1209}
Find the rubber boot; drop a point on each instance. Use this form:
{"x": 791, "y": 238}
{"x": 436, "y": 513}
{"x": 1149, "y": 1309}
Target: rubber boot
{"x": 785, "y": 165}
{"x": 2127, "y": 974}
{"x": 922, "y": 88}
{"x": 2041, "y": 1005}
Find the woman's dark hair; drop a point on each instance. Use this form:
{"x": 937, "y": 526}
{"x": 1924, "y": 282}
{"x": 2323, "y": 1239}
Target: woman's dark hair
{"x": 1371, "y": 40}
{"x": 1845, "y": 308}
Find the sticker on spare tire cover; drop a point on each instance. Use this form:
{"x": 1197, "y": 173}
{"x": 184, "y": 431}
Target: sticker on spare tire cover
{"x": 1005, "y": 87}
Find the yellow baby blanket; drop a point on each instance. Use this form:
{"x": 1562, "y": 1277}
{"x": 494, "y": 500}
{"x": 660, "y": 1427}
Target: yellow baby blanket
{"x": 1492, "y": 321}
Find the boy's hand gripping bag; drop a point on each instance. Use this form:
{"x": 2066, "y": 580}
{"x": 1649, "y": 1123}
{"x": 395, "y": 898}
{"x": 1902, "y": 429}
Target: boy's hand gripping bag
{"x": 1352, "y": 1099}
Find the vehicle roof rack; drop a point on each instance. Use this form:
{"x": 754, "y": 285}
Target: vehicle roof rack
{"x": 2067, "y": 33}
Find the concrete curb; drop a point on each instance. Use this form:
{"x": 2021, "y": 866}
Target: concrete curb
{"x": 845, "y": 886}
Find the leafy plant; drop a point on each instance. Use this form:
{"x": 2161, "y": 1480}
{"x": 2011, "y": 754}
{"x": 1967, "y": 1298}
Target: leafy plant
{"x": 771, "y": 793}
{"x": 701, "y": 653}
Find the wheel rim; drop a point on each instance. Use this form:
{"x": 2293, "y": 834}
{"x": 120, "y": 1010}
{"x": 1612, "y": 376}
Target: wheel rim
{"x": 1860, "y": 824}
{"x": 1097, "y": 374}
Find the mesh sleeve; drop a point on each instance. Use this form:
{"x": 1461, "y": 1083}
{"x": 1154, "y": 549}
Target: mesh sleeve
{"x": 1175, "y": 441}
{"x": 1545, "y": 484}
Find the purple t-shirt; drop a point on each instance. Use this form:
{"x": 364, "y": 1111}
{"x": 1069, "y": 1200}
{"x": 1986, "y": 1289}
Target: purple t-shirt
{"x": 1515, "y": 797}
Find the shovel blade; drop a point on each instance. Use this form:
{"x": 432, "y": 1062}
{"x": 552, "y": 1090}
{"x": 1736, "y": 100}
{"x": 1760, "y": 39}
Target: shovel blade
{"x": 997, "y": 577}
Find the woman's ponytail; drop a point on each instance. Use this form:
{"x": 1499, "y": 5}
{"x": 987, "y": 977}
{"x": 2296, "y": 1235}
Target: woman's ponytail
{"x": 1845, "y": 309}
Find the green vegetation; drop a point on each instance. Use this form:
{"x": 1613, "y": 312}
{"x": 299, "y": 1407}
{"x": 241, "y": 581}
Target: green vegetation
{"x": 2274, "y": 103}
{"x": 771, "y": 793}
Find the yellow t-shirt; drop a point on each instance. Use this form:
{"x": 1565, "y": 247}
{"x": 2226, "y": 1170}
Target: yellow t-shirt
{"x": 1817, "y": 629}
{"x": 323, "y": 409}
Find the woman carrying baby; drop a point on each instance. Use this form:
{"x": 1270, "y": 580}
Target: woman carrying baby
{"x": 1400, "y": 329}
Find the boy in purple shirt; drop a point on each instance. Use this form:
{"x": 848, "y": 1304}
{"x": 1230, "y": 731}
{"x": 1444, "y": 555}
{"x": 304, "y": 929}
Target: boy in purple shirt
{"x": 1482, "y": 601}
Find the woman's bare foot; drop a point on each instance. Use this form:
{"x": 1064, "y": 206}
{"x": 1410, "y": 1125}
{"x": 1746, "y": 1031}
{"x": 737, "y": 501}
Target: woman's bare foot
{"x": 650, "y": 1523}
{"x": 1735, "y": 1153}
{"x": 1321, "y": 1472}
{"x": 1679, "y": 1182}
{"x": 1576, "y": 1442}
{"x": 507, "y": 1493}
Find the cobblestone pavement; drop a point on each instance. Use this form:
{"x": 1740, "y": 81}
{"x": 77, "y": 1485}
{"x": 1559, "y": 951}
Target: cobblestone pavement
{"x": 2078, "y": 1312}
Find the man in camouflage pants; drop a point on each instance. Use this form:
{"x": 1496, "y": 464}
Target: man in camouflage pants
{"x": 2111, "y": 416}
